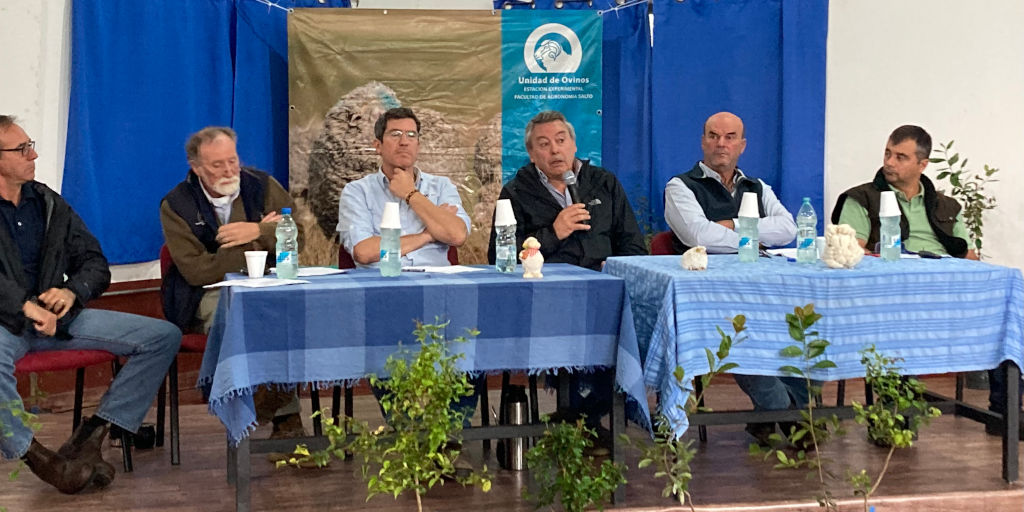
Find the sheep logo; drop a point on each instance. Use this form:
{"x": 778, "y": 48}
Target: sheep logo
{"x": 553, "y": 48}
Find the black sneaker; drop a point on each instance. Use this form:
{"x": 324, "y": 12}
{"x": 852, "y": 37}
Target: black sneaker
{"x": 760, "y": 432}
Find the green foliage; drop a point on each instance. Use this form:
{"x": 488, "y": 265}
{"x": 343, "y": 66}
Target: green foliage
{"x": 807, "y": 435}
{"x": 419, "y": 447}
{"x": 898, "y": 412}
{"x": 968, "y": 187}
{"x": 17, "y": 410}
{"x": 670, "y": 455}
{"x": 562, "y": 471}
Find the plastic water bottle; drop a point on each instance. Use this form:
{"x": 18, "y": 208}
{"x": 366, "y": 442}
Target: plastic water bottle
{"x": 390, "y": 252}
{"x": 505, "y": 248}
{"x": 889, "y": 238}
{"x": 806, "y": 232}
{"x": 287, "y": 246}
{"x": 749, "y": 247}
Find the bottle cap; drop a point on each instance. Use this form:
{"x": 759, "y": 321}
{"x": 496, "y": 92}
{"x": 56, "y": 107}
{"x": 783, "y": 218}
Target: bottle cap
{"x": 503, "y": 215}
{"x": 286, "y": 211}
{"x": 748, "y": 206}
{"x": 390, "y": 219}
{"x": 888, "y": 206}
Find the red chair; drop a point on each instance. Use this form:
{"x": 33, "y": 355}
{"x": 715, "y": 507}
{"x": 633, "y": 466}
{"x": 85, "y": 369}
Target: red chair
{"x": 193, "y": 343}
{"x": 661, "y": 244}
{"x": 78, "y": 360}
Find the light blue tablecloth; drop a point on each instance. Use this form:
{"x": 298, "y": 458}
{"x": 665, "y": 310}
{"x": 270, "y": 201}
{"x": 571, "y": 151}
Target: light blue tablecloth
{"x": 341, "y": 328}
{"x": 938, "y": 315}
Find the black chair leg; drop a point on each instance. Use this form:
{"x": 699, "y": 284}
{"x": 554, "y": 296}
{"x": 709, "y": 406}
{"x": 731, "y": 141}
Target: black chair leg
{"x": 961, "y": 380}
{"x": 314, "y": 397}
{"x": 485, "y": 408}
{"x": 534, "y": 406}
{"x": 79, "y": 391}
{"x": 161, "y": 405}
{"x": 336, "y": 403}
{"x": 172, "y": 377}
{"x": 841, "y": 393}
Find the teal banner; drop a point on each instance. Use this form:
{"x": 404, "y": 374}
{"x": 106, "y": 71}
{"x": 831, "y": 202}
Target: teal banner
{"x": 550, "y": 60}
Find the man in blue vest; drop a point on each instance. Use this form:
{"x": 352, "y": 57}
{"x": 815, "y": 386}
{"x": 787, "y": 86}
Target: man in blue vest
{"x": 701, "y": 207}
{"x": 221, "y": 210}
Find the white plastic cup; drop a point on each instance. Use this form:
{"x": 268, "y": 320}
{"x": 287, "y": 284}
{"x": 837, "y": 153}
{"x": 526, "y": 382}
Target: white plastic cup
{"x": 819, "y": 244}
{"x": 390, "y": 219}
{"x": 748, "y": 206}
{"x": 503, "y": 215}
{"x": 255, "y": 261}
{"x": 888, "y": 207}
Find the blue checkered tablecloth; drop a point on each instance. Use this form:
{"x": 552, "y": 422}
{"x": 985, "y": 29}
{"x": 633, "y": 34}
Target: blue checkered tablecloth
{"x": 341, "y": 328}
{"x": 938, "y": 315}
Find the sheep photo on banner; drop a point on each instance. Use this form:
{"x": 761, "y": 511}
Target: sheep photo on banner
{"x": 474, "y": 78}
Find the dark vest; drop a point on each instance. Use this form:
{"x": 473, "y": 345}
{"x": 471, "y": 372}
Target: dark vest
{"x": 180, "y": 299}
{"x": 941, "y": 212}
{"x": 717, "y": 203}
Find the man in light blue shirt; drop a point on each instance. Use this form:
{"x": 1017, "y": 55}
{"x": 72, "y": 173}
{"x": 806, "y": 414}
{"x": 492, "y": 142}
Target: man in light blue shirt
{"x": 430, "y": 209}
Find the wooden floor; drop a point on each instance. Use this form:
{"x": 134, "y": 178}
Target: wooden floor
{"x": 953, "y": 467}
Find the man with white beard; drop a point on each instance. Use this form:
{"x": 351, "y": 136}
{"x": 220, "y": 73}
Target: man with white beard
{"x": 221, "y": 210}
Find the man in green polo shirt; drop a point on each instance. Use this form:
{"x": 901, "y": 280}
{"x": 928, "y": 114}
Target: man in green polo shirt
{"x": 930, "y": 222}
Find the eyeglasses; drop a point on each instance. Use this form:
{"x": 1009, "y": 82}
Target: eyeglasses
{"x": 24, "y": 147}
{"x": 397, "y": 134}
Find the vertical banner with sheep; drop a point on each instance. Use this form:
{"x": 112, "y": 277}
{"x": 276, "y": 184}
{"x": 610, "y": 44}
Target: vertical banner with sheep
{"x": 347, "y": 66}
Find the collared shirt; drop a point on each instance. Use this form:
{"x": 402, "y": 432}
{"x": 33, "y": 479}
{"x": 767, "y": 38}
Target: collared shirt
{"x": 686, "y": 218}
{"x": 362, "y": 206}
{"x": 921, "y": 236}
{"x": 26, "y": 224}
{"x": 562, "y": 198}
{"x": 221, "y": 205}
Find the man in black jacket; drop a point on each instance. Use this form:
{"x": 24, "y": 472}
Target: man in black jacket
{"x": 50, "y": 267}
{"x": 582, "y": 230}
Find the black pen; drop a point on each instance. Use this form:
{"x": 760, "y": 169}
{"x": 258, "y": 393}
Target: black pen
{"x": 413, "y": 270}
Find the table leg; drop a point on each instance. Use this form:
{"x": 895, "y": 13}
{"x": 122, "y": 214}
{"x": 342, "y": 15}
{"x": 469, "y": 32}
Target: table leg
{"x": 1011, "y": 422}
{"x": 232, "y": 458}
{"x": 244, "y": 472}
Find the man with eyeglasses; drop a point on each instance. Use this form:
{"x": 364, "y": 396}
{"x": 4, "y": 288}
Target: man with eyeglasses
{"x": 701, "y": 206}
{"x": 430, "y": 210}
{"x": 50, "y": 267}
{"x": 209, "y": 220}
{"x": 581, "y": 230}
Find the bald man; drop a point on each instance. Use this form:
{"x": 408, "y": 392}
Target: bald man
{"x": 701, "y": 205}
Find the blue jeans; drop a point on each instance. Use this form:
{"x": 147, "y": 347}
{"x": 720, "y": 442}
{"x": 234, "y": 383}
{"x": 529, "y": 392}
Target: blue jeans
{"x": 149, "y": 344}
{"x": 773, "y": 393}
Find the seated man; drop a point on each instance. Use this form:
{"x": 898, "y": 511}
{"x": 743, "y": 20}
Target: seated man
{"x": 582, "y": 231}
{"x": 430, "y": 209}
{"x": 50, "y": 267}
{"x": 701, "y": 207}
{"x": 221, "y": 210}
{"x": 701, "y": 204}
{"x": 930, "y": 220}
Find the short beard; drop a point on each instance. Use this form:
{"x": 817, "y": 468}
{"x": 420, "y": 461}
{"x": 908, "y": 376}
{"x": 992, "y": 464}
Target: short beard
{"x": 227, "y": 186}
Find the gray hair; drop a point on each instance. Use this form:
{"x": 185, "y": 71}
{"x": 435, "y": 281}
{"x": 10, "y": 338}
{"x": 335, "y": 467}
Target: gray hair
{"x": 547, "y": 116}
{"x": 205, "y": 136}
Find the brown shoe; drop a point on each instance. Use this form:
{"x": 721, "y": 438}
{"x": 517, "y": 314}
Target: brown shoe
{"x": 267, "y": 400}
{"x": 68, "y": 476}
{"x": 288, "y": 426}
{"x": 89, "y": 449}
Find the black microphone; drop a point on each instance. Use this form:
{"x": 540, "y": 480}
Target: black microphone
{"x": 570, "y": 182}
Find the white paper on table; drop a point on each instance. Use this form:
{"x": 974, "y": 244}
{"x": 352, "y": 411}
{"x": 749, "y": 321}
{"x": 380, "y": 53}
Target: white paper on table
{"x": 319, "y": 271}
{"x": 449, "y": 269}
{"x": 259, "y": 282}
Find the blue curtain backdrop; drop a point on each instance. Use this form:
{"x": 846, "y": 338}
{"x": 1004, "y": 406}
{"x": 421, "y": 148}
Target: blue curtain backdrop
{"x": 144, "y": 75}
{"x": 763, "y": 60}
{"x": 626, "y": 62}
